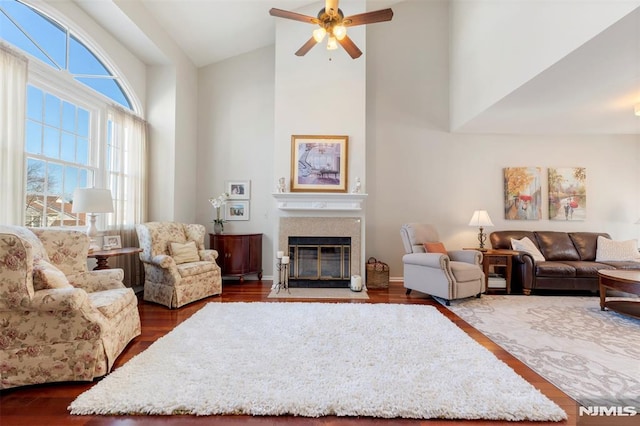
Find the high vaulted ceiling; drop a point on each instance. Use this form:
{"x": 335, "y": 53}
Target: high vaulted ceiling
{"x": 576, "y": 95}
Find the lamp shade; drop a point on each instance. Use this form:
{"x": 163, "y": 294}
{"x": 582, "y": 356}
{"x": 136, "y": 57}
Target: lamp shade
{"x": 92, "y": 200}
{"x": 480, "y": 218}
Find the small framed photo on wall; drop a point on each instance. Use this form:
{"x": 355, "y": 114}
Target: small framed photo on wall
{"x": 238, "y": 189}
{"x": 237, "y": 210}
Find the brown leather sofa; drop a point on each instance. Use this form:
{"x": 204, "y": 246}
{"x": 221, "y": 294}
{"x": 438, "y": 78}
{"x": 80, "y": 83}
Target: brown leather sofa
{"x": 569, "y": 260}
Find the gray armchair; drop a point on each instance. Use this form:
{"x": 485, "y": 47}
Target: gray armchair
{"x": 455, "y": 275}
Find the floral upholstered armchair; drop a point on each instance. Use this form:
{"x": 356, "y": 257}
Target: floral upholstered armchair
{"x": 177, "y": 267}
{"x": 59, "y": 321}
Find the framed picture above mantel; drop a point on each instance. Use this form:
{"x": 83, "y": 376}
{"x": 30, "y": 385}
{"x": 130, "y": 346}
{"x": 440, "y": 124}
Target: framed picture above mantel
{"x": 319, "y": 163}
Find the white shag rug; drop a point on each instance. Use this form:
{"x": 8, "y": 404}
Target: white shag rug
{"x": 318, "y": 359}
{"x": 317, "y": 293}
{"x": 592, "y": 355}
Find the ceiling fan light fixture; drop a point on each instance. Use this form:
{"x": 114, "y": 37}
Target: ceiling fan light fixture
{"x": 332, "y": 44}
{"x": 339, "y": 31}
{"x": 318, "y": 34}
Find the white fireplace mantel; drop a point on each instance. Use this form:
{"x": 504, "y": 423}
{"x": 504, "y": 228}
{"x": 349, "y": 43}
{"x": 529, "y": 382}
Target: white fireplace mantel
{"x": 314, "y": 201}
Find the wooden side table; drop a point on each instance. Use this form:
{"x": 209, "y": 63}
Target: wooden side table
{"x": 102, "y": 256}
{"x": 497, "y": 258}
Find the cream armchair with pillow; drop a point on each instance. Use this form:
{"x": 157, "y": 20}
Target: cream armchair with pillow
{"x": 59, "y": 321}
{"x": 178, "y": 269}
{"x": 453, "y": 274}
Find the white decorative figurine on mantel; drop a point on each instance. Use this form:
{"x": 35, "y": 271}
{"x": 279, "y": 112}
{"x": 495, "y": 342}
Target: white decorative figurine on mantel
{"x": 281, "y": 185}
{"x": 357, "y": 187}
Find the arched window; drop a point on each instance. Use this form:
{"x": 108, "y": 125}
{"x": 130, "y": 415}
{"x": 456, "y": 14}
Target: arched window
{"x": 70, "y": 104}
{"x": 58, "y": 47}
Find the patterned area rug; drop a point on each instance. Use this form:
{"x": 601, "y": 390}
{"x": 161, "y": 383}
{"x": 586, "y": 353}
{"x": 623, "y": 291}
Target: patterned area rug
{"x": 590, "y": 354}
{"x": 318, "y": 359}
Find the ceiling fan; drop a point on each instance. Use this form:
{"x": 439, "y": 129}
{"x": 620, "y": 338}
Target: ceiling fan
{"x": 332, "y": 21}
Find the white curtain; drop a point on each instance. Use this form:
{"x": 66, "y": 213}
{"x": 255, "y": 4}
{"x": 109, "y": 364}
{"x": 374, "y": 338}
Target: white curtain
{"x": 128, "y": 184}
{"x": 13, "y": 93}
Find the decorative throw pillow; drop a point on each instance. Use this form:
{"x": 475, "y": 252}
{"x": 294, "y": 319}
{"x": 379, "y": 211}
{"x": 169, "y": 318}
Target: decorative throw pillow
{"x": 46, "y": 276}
{"x": 435, "y": 247}
{"x": 616, "y": 250}
{"x": 184, "y": 253}
{"x": 526, "y": 245}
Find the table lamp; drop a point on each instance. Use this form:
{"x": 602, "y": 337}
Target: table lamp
{"x": 92, "y": 201}
{"x": 481, "y": 219}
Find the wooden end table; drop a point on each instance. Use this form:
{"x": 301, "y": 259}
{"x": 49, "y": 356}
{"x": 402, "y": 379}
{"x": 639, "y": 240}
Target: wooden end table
{"x": 497, "y": 258}
{"x": 627, "y": 281}
{"x": 102, "y": 256}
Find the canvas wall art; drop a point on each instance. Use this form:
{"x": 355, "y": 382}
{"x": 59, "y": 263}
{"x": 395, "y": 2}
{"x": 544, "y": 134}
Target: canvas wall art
{"x": 522, "y": 193}
{"x": 319, "y": 163}
{"x": 567, "y": 193}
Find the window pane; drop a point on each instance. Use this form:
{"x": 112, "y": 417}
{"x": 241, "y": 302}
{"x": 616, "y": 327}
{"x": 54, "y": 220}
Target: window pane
{"x": 68, "y": 117}
{"x": 54, "y": 179}
{"x": 70, "y": 182}
{"x": 13, "y": 35}
{"x": 34, "y": 103}
{"x": 51, "y": 142}
{"x": 82, "y": 61}
{"x": 108, "y": 87}
{"x": 83, "y": 122}
{"x": 47, "y": 34}
{"x": 83, "y": 180}
{"x": 33, "y": 137}
{"x": 82, "y": 151}
{"x": 35, "y": 176}
{"x": 52, "y": 110}
{"x": 68, "y": 147}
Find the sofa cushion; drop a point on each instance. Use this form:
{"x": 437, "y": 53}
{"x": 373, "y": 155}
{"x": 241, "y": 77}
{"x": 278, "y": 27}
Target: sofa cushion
{"x": 464, "y": 271}
{"x": 184, "y": 252}
{"x": 555, "y": 269}
{"x": 502, "y": 239}
{"x": 111, "y": 302}
{"x": 586, "y": 268}
{"x": 627, "y": 265}
{"x": 46, "y": 276}
{"x": 556, "y": 246}
{"x": 195, "y": 268}
{"x": 435, "y": 247}
{"x": 586, "y": 243}
{"x": 527, "y": 246}
{"x": 616, "y": 250}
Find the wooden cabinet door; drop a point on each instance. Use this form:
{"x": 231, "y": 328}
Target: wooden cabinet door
{"x": 238, "y": 255}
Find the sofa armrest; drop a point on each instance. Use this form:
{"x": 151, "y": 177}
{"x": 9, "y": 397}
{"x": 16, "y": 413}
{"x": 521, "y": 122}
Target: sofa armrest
{"x": 431, "y": 260}
{"x": 523, "y": 270}
{"x": 92, "y": 281}
{"x": 57, "y": 299}
{"x": 468, "y": 256}
{"x": 208, "y": 255}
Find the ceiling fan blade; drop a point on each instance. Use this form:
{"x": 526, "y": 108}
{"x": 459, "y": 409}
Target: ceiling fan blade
{"x": 350, "y": 47}
{"x": 293, "y": 15}
{"x": 368, "y": 18}
{"x": 306, "y": 47}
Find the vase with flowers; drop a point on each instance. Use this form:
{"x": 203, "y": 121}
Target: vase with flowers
{"x": 217, "y": 203}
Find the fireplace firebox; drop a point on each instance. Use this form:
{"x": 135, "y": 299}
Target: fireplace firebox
{"x": 319, "y": 261}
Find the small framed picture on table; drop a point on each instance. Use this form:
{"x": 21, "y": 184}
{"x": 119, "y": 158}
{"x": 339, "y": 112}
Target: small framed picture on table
{"x": 112, "y": 242}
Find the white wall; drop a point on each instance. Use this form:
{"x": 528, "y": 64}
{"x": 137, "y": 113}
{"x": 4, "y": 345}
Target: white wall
{"x": 235, "y": 140}
{"x": 498, "y": 45}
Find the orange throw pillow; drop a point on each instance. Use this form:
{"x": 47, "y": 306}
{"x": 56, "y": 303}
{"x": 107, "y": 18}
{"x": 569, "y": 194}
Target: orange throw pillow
{"x": 436, "y": 247}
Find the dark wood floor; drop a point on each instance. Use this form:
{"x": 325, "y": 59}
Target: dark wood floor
{"x": 47, "y": 404}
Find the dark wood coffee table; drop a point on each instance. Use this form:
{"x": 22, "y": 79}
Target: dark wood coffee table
{"x": 627, "y": 281}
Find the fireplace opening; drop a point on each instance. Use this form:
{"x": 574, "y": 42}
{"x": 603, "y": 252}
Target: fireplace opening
{"x": 319, "y": 261}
